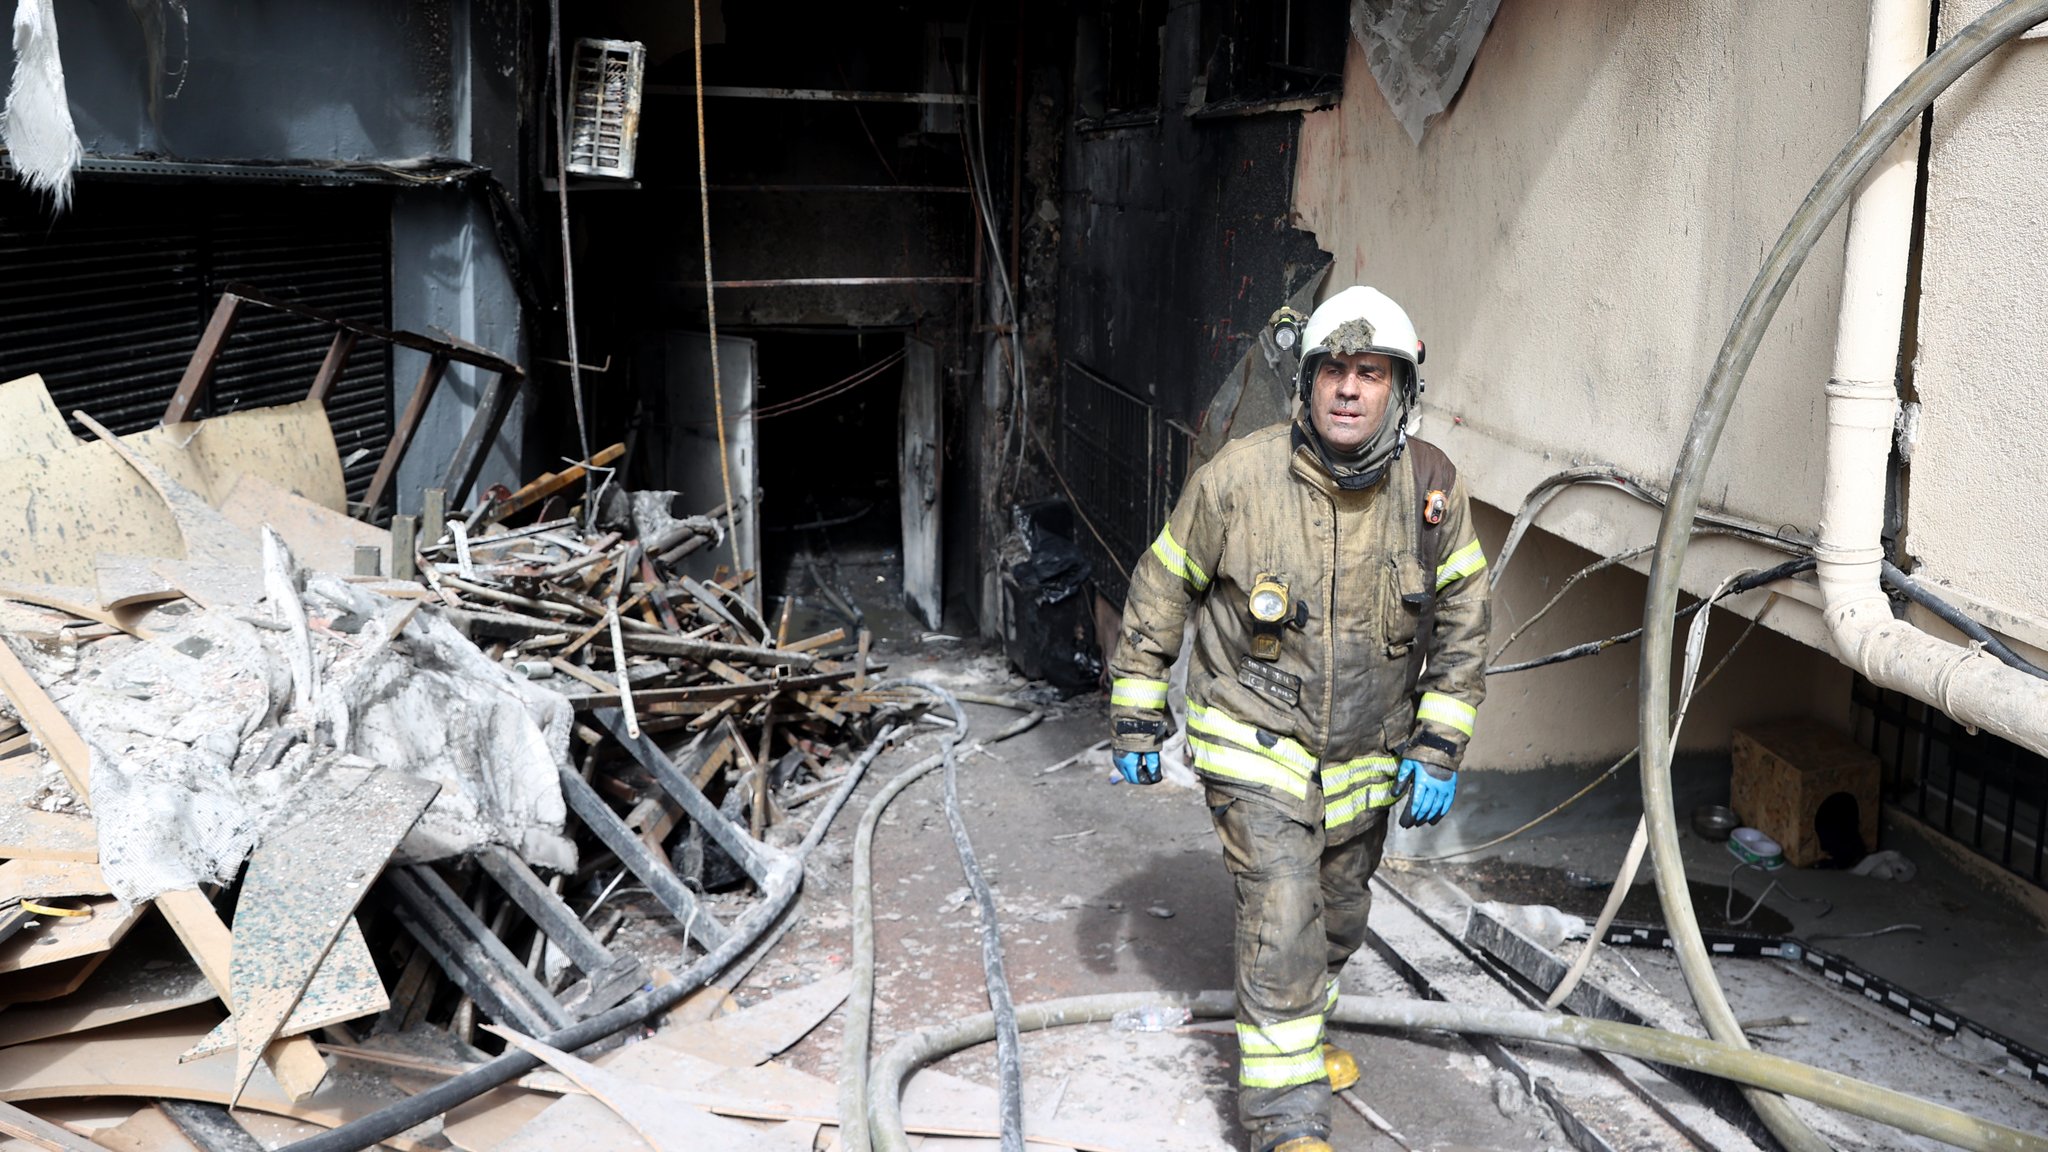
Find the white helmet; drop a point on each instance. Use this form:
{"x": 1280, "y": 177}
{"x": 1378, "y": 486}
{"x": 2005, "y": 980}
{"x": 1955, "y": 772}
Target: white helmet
{"x": 1359, "y": 319}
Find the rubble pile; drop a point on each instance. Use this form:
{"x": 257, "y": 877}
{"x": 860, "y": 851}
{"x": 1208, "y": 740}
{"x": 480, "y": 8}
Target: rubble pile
{"x": 284, "y": 831}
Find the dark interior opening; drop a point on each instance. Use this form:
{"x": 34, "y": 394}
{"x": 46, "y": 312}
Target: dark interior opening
{"x": 831, "y": 533}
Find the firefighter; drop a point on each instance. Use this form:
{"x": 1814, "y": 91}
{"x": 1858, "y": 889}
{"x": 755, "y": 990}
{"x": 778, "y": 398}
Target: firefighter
{"x": 1337, "y": 666}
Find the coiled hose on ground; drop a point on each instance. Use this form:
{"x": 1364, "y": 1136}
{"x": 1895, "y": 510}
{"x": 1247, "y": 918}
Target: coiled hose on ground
{"x": 1847, "y": 1094}
{"x": 1829, "y": 194}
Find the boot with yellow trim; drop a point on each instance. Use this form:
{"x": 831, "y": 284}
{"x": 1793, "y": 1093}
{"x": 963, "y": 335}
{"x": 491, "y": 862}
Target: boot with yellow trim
{"x": 1305, "y": 1144}
{"x": 1341, "y": 1066}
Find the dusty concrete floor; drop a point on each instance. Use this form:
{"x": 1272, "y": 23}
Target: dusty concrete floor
{"x": 1100, "y": 888}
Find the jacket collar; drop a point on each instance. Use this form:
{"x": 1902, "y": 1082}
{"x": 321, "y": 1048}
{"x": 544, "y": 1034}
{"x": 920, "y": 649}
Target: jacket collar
{"x": 1312, "y": 462}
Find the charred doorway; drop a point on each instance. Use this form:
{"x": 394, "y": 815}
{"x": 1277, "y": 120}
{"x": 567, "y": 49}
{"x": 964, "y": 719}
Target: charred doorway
{"x": 846, "y": 424}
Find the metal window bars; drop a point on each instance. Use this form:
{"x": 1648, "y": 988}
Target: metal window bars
{"x": 604, "y": 107}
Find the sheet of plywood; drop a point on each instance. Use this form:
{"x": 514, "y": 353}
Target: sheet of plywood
{"x": 754, "y": 1035}
{"x": 207, "y": 535}
{"x": 346, "y": 987}
{"x": 51, "y": 878}
{"x": 485, "y": 1123}
{"x": 133, "y": 984}
{"x": 67, "y": 938}
{"x": 129, "y": 581}
{"x": 214, "y": 587}
{"x": 289, "y": 445}
{"x": 148, "y": 1130}
{"x": 31, "y": 429}
{"x": 62, "y": 515}
{"x": 50, "y": 981}
{"x": 298, "y": 1065}
{"x": 574, "y": 1122}
{"x": 666, "y": 1122}
{"x": 141, "y": 1059}
{"x": 320, "y": 539}
{"x": 302, "y": 888}
{"x": 25, "y": 1125}
{"x": 27, "y": 832}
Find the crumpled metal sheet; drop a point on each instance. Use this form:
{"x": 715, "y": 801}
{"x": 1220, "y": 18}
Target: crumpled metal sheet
{"x": 1420, "y": 51}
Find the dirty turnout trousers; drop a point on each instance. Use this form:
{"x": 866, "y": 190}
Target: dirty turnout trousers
{"x": 1301, "y": 910}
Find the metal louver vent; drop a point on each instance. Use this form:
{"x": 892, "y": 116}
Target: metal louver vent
{"x": 604, "y": 107}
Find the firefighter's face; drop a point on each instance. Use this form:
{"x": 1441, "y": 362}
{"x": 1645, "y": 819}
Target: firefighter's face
{"x": 1350, "y": 398}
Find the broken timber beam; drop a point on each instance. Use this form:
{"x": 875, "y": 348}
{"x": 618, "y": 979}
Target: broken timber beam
{"x": 491, "y": 410}
{"x": 470, "y": 953}
{"x": 652, "y": 870}
{"x": 199, "y": 370}
{"x": 675, "y": 779}
{"x": 547, "y": 485}
{"x": 332, "y": 367}
{"x": 611, "y": 977}
{"x": 408, "y": 424}
{"x": 515, "y": 626}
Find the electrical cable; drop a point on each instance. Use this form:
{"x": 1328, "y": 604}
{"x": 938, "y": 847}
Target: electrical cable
{"x": 1628, "y": 482}
{"x": 1741, "y": 1065}
{"x": 1750, "y": 582}
{"x": 557, "y": 81}
{"x": 784, "y": 880}
{"x": 710, "y": 302}
{"x": 1728, "y": 915}
{"x": 829, "y": 391}
{"x": 1570, "y": 582}
{"x": 1920, "y": 594}
{"x": 1837, "y": 183}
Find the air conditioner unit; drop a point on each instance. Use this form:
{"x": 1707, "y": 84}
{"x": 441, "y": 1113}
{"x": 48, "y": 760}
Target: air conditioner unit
{"x": 604, "y": 107}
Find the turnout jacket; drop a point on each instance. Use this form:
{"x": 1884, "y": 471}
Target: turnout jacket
{"x": 1318, "y": 730}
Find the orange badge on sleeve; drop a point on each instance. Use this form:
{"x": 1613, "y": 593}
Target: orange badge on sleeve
{"x": 1436, "y": 506}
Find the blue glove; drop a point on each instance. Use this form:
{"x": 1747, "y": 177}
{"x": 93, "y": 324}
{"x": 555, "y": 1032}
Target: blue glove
{"x": 1137, "y": 767}
{"x": 1433, "y": 790}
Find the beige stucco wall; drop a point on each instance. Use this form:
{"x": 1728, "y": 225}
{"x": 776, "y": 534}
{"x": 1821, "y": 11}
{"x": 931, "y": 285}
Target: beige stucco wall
{"x": 1979, "y": 472}
{"x": 1572, "y": 239}
{"x": 1573, "y": 236}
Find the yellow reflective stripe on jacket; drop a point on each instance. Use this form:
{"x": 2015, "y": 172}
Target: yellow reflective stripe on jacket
{"x": 1343, "y": 810}
{"x": 1176, "y": 559}
{"x": 1462, "y": 563}
{"x": 1341, "y": 778}
{"x": 1137, "y": 693}
{"x": 1447, "y": 710}
{"x": 1249, "y": 767}
{"x": 1216, "y": 722}
{"x": 1303, "y": 1034}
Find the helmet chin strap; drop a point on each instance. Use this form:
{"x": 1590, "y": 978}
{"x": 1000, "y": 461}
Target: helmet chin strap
{"x": 1362, "y": 469}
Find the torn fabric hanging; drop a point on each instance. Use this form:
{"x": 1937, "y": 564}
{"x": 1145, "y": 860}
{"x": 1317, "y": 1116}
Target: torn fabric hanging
{"x": 42, "y": 142}
{"x": 1419, "y": 51}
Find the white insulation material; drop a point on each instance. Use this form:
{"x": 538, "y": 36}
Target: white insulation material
{"x": 182, "y": 790}
{"x": 42, "y": 142}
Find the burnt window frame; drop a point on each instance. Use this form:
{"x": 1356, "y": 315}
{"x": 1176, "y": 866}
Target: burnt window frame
{"x": 1119, "y": 63}
{"x": 1240, "y": 39}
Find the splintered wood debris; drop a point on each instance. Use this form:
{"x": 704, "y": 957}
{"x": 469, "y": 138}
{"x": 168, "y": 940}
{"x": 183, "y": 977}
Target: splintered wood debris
{"x": 301, "y": 814}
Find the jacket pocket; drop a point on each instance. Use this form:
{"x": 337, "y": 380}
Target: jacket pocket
{"x": 1396, "y": 726}
{"x": 1403, "y": 591}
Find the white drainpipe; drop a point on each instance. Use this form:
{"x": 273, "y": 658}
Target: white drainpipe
{"x": 1966, "y": 683}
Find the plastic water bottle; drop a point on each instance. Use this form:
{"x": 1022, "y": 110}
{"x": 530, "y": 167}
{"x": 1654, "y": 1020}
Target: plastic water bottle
{"x": 1151, "y": 1018}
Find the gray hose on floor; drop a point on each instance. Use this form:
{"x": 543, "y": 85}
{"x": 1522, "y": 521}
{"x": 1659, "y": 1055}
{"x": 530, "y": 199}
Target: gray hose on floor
{"x": 860, "y": 1002}
{"x": 785, "y": 879}
{"x": 1843, "y": 1093}
{"x": 1899, "y": 111}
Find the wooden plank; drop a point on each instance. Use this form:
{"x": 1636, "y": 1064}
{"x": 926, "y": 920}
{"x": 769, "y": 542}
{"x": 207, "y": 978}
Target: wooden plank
{"x": 205, "y": 355}
{"x": 402, "y": 434}
{"x": 485, "y": 1123}
{"x": 754, "y": 1035}
{"x": 27, "y": 833}
{"x": 573, "y": 1122}
{"x": 481, "y": 434}
{"x": 140, "y": 1058}
{"x": 332, "y": 366}
{"x": 549, "y": 484}
{"x": 132, "y": 985}
{"x": 149, "y": 1130}
{"x": 653, "y": 870}
{"x": 42, "y": 717}
{"x": 51, "y": 878}
{"x": 320, "y": 539}
{"x": 61, "y": 938}
{"x": 25, "y": 1125}
{"x": 666, "y": 1123}
{"x": 302, "y": 887}
{"x": 296, "y": 1063}
{"x": 214, "y": 587}
{"x": 124, "y": 620}
{"x": 345, "y": 987}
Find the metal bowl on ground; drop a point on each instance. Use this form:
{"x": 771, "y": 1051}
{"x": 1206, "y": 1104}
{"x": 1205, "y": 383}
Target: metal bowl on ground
{"x": 1715, "y": 822}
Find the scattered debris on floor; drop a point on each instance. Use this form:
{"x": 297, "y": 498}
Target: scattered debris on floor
{"x": 302, "y": 815}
